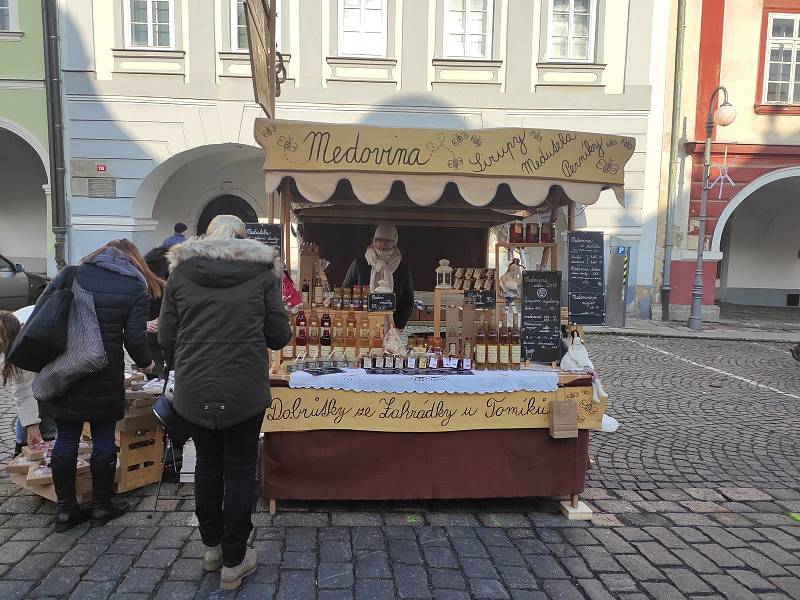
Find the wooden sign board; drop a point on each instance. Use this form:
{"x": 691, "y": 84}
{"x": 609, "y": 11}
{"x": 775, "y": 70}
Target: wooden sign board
{"x": 482, "y": 298}
{"x": 586, "y": 287}
{"x": 380, "y": 302}
{"x": 540, "y": 330}
{"x": 259, "y": 16}
{"x": 266, "y": 233}
{"x": 518, "y": 152}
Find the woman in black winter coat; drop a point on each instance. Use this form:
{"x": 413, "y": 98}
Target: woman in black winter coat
{"x": 222, "y": 310}
{"x": 119, "y": 280}
{"x": 156, "y": 261}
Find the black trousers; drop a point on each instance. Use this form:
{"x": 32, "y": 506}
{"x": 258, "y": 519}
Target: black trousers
{"x": 225, "y": 485}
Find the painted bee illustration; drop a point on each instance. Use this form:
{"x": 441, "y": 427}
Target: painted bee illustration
{"x": 455, "y": 163}
{"x": 287, "y": 143}
{"x": 607, "y": 166}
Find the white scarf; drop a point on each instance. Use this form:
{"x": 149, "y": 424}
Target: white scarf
{"x": 383, "y": 263}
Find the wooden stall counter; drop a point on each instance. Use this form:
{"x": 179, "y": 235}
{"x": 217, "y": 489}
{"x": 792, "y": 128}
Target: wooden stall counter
{"x": 328, "y": 444}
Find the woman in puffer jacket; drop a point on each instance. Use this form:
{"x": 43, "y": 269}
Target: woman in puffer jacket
{"x": 221, "y": 311}
{"x": 120, "y": 282}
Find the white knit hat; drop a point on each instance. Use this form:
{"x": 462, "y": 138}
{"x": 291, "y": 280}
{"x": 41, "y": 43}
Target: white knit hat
{"x": 384, "y": 231}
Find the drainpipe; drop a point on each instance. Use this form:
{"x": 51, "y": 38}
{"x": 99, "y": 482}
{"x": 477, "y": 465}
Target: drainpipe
{"x": 672, "y": 185}
{"x": 55, "y": 126}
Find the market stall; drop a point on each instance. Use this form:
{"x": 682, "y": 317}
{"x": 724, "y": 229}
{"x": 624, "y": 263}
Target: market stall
{"x": 478, "y": 408}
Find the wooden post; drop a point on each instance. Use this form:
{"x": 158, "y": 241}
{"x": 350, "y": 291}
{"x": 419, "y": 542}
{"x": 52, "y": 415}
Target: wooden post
{"x": 571, "y": 216}
{"x": 573, "y": 500}
{"x": 273, "y": 506}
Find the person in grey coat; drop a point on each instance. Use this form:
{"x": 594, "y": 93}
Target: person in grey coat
{"x": 221, "y": 311}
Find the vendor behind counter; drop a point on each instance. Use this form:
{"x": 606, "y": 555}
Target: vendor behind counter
{"x": 383, "y": 262}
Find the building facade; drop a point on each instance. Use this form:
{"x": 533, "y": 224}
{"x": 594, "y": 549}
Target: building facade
{"x": 159, "y": 101}
{"x": 24, "y": 157}
{"x": 752, "y": 248}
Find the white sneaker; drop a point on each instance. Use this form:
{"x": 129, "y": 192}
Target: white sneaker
{"x": 231, "y": 577}
{"x": 212, "y": 560}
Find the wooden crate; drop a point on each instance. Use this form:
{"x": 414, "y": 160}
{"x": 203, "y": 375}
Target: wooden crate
{"x": 140, "y": 455}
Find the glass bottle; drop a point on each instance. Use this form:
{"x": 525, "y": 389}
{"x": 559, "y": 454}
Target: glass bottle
{"x": 325, "y": 322}
{"x": 305, "y": 292}
{"x": 350, "y": 341}
{"x": 318, "y": 296}
{"x": 503, "y": 350}
{"x": 364, "y": 333}
{"x": 338, "y": 340}
{"x": 514, "y": 342}
{"x": 357, "y": 297}
{"x": 467, "y": 361}
{"x": 491, "y": 345}
{"x": 301, "y": 343}
{"x": 336, "y": 302}
{"x": 325, "y": 342}
{"x": 287, "y": 352}
{"x": 364, "y": 297}
{"x": 377, "y": 338}
{"x": 347, "y": 299}
{"x": 300, "y": 321}
{"x": 313, "y": 336}
{"x": 480, "y": 346}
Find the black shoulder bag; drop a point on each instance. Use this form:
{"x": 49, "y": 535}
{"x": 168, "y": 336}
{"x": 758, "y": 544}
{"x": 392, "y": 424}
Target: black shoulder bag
{"x": 170, "y": 420}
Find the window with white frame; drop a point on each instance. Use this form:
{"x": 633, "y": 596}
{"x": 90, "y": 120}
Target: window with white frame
{"x": 8, "y": 15}
{"x": 468, "y": 28}
{"x": 571, "y": 30}
{"x": 149, "y": 24}
{"x": 362, "y": 28}
{"x": 782, "y": 60}
{"x": 239, "y": 41}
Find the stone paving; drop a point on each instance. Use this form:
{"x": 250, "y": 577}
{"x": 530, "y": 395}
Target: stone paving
{"x": 691, "y": 496}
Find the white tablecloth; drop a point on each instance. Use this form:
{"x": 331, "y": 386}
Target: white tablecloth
{"x": 482, "y": 382}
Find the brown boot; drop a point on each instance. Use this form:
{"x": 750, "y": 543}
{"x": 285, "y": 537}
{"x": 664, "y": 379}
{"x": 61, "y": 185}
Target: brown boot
{"x": 231, "y": 577}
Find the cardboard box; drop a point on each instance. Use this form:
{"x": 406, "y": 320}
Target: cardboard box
{"x": 563, "y": 419}
{"x": 39, "y": 475}
{"x": 83, "y": 488}
{"x": 21, "y": 464}
{"x": 37, "y": 452}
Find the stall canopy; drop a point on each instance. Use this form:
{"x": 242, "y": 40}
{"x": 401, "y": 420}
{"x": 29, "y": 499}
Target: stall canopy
{"x": 529, "y": 161}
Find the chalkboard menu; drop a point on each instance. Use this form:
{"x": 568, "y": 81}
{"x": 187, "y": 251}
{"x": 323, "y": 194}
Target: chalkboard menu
{"x": 266, "y": 233}
{"x": 540, "y": 330}
{"x": 483, "y": 298}
{"x": 380, "y": 302}
{"x": 586, "y": 290}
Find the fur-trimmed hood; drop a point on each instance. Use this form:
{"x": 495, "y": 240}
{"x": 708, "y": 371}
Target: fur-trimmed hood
{"x": 224, "y": 263}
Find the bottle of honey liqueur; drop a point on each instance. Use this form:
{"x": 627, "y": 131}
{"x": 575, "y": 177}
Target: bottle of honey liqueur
{"x": 325, "y": 322}
{"x": 313, "y": 336}
{"x": 287, "y": 352}
{"x": 305, "y": 292}
{"x": 350, "y": 339}
{"x": 357, "y": 297}
{"x": 504, "y": 349}
{"x": 515, "y": 344}
{"x": 364, "y": 333}
{"x": 492, "y": 344}
{"x": 325, "y": 343}
{"x": 301, "y": 343}
{"x": 338, "y": 340}
{"x": 480, "y": 346}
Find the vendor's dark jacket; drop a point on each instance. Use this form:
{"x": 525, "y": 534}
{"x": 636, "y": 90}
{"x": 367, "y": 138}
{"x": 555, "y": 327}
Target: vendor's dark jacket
{"x": 360, "y": 272}
{"x": 121, "y": 303}
{"x": 222, "y": 309}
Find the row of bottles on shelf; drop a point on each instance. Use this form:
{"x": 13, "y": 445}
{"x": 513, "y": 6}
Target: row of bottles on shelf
{"x": 498, "y": 348}
{"x": 354, "y": 298}
{"x": 318, "y": 337}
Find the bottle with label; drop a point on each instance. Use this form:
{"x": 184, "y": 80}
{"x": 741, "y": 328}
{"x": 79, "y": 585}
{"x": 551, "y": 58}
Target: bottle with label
{"x": 318, "y": 297}
{"x": 480, "y": 346}
{"x": 347, "y": 299}
{"x": 503, "y": 349}
{"x": 338, "y": 340}
{"x": 325, "y": 322}
{"x": 325, "y": 343}
{"x": 357, "y": 297}
{"x": 514, "y": 343}
{"x": 364, "y": 333}
{"x": 336, "y": 302}
{"x": 350, "y": 341}
{"x": 313, "y": 336}
{"x": 377, "y": 338}
{"x": 364, "y": 297}
{"x": 491, "y": 345}
{"x": 301, "y": 343}
{"x": 411, "y": 362}
{"x": 305, "y": 292}
{"x": 300, "y": 322}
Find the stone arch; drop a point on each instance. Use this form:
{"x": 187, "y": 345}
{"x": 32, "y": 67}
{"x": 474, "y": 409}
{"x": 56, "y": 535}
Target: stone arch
{"x": 31, "y": 140}
{"x": 745, "y": 193}
{"x": 147, "y": 194}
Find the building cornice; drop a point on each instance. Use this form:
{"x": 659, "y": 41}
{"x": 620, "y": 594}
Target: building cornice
{"x": 21, "y": 84}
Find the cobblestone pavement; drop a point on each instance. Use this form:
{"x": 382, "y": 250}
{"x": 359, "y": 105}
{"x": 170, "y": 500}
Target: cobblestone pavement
{"x": 691, "y": 496}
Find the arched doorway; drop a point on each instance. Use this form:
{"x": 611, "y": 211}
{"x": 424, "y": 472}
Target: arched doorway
{"x": 23, "y": 204}
{"x": 226, "y": 205}
{"x": 757, "y": 235}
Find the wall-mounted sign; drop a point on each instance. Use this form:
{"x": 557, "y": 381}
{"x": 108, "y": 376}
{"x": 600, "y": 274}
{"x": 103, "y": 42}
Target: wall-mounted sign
{"x": 266, "y": 233}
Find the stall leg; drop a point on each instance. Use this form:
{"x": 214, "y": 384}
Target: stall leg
{"x": 575, "y": 510}
{"x": 273, "y": 506}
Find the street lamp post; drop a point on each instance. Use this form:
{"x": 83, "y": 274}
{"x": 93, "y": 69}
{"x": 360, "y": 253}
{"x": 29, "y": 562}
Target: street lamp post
{"x": 724, "y": 115}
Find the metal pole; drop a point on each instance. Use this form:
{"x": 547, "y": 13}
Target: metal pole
{"x": 52, "y": 74}
{"x": 673, "y": 158}
{"x": 696, "y": 317}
